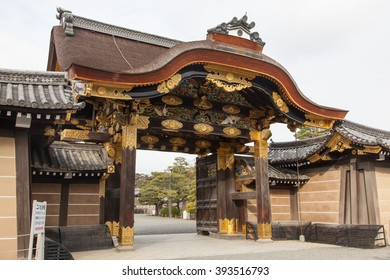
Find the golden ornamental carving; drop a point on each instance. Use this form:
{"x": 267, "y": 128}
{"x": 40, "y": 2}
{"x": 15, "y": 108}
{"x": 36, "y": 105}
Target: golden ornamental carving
{"x": 109, "y": 225}
{"x": 127, "y": 236}
{"x": 229, "y": 79}
{"x": 177, "y": 141}
{"x": 225, "y": 158}
{"x": 280, "y": 102}
{"x": 110, "y": 150}
{"x": 150, "y": 140}
{"x": 232, "y": 226}
{"x": 243, "y": 229}
{"x": 115, "y": 228}
{"x": 49, "y": 131}
{"x": 203, "y": 144}
{"x": 223, "y": 224}
{"x": 264, "y": 231}
{"x": 372, "y": 149}
{"x": 231, "y": 131}
{"x": 59, "y": 121}
{"x": 313, "y": 120}
{"x": 203, "y": 128}
{"x": 338, "y": 143}
{"x": 254, "y": 135}
{"x": 74, "y": 121}
{"x": 129, "y": 133}
{"x": 203, "y": 104}
{"x": 107, "y": 91}
{"x": 143, "y": 122}
{"x": 169, "y": 84}
{"x": 172, "y": 124}
{"x": 68, "y": 134}
{"x": 266, "y": 134}
{"x": 231, "y": 109}
{"x": 172, "y": 100}
{"x": 111, "y": 169}
{"x": 314, "y": 158}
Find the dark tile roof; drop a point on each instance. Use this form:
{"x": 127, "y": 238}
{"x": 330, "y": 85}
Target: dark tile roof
{"x": 69, "y": 21}
{"x": 284, "y": 152}
{"x": 36, "y": 90}
{"x": 122, "y": 49}
{"x": 363, "y": 135}
{"x": 245, "y": 167}
{"x": 64, "y": 157}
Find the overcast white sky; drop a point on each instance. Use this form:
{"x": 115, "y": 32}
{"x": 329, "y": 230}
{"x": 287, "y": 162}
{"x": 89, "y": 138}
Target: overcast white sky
{"x": 336, "y": 51}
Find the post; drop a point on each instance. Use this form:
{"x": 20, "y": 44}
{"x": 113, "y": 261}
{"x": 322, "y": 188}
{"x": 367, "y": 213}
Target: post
{"x": 127, "y": 181}
{"x": 23, "y": 188}
{"x": 264, "y": 228}
{"x": 228, "y": 212}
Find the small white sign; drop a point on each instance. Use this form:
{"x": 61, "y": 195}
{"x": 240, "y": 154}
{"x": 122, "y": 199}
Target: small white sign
{"x": 40, "y": 217}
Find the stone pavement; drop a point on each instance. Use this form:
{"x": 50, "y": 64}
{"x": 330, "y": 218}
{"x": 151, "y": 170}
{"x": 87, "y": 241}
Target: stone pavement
{"x": 154, "y": 240}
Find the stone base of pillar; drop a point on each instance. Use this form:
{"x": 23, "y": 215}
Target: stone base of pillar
{"x": 125, "y": 248}
{"x": 264, "y": 240}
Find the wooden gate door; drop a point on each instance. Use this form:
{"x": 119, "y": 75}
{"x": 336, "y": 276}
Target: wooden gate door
{"x": 206, "y": 194}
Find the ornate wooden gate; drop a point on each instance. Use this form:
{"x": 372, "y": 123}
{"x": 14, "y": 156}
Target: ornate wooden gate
{"x": 206, "y": 194}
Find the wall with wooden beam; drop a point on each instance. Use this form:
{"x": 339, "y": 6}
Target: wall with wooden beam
{"x": 69, "y": 204}
{"x": 8, "y": 214}
{"x": 382, "y": 172}
{"x": 320, "y": 196}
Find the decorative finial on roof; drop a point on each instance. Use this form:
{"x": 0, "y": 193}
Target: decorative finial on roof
{"x": 239, "y": 28}
{"x": 66, "y": 19}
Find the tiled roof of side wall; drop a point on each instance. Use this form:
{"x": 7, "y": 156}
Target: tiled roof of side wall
{"x": 36, "y": 90}
{"x": 71, "y": 157}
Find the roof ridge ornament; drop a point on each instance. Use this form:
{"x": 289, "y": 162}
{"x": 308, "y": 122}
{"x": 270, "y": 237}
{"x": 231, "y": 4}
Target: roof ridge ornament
{"x": 66, "y": 19}
{"x": 239, "y": 28}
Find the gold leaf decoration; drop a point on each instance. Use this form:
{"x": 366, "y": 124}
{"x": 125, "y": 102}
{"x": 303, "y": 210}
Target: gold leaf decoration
{"x": 231, "y": 109}
{"x": 231, "y": 131}
{"x": 203, "y": 128}
{"x": 170, "y": 84}
{"x": 177, "y": 141}
{"x": 203, "y": 144}
{"x": 172, "y": 100}
{"x": 150, "y": 140}
{"x": 279, "y": 102}
{"x": 203, "y": 104}
{"x": 172, "y": 124}
{"x": 107, "y": 91}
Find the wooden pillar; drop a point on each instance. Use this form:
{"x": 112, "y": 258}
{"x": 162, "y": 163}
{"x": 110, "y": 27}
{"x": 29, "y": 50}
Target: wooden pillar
{"x": 264, "y": 229}
{"x": 127, "y": 181}
{"x": 110, "y": 188}
{"x": 64, "y": 203}
{"x": 228, "y": 211}
{"x": 23, "y": 189}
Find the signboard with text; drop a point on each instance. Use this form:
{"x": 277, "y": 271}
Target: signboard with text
{"x": 39, "y": 217}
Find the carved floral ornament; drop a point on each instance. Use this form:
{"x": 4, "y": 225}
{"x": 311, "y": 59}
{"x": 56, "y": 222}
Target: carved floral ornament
{"x": 229, "y": 79}
{"x": 172, "y": 100}
{"x": 313, "y": 120}
{"x": 169, "y": 84}
{"x": 106, "y": 91}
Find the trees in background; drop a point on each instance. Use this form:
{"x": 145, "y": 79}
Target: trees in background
{"x": 174, "y": 187}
